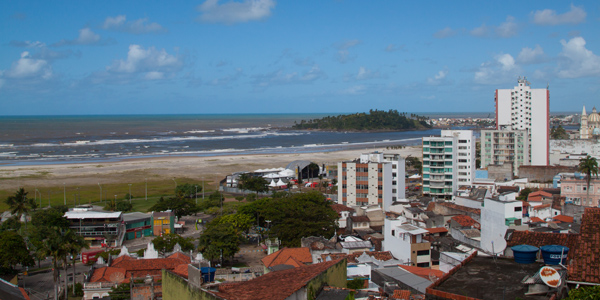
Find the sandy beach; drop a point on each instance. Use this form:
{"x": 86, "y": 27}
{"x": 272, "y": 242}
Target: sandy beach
{"x": 211, "y": 168}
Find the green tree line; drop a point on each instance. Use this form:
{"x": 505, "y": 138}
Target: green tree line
{"x": 373, "y": 120}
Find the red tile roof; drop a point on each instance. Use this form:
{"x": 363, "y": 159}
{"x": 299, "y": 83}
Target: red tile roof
{"x": 534, "y": 199}
{"x": 437, "y": 229}
{"x": 109, "y": 274}
{"x": 466, "y": 221}
{"x": 181, "y": 270}
{"x": 564, "y": 219}
{"x": 536, "y": 220}
{"x": 275, "y": 285}
{"x": 340, "y": 208}
{"x": 123, "y": 267}
{"x": 282, "y": 256}
{"x": 539, "y": 239}
{"x": 401, "y": 295}
{"x": 542, "y": 206}
{"x": 379, "y": 255}
{"x": 585, "y": 256}
{"x": 423, "y": 272}
{"x": 360, "y": 219}
{"x": 540, "y": 193}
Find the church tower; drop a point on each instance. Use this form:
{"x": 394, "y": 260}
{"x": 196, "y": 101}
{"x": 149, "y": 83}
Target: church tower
{"x": 583, "y": 129}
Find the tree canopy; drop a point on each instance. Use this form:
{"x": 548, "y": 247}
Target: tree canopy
{"x": 179, "y": 206}
{"x": 14, "y": 250}
{"x": 187, "y": 190}
{"x": 294, "y": 216}
{"x": 558, "y": 133}
{"x": 167, "y": 242}
{"x": 373, "y": 120}
{"x": 219, "y": 239}
{"x": 20, "y": 205}
{"x": 256, "y": 184}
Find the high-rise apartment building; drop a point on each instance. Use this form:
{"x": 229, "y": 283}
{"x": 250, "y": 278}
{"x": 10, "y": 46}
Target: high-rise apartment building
{"x": 373, "y": 179}
{"x": 500, "y": 147}
{"x": 524, "y": 108}
{"x": 448, "y": 162}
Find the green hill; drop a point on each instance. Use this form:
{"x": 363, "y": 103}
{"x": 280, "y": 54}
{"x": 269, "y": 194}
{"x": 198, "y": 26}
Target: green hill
{"x": 373, "y": 120}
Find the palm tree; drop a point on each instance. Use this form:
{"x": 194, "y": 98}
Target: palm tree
{"x": 589, "y": 166}
{"x": 74, "y": 243}
{"x": 53, "y": 246}
{"x": 20, "y": 205}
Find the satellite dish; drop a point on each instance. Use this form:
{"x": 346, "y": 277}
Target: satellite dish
{"x": 550, "y": 276}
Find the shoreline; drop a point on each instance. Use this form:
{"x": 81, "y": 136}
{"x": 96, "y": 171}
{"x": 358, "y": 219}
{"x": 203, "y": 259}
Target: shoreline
{"x": 134, "y": 170}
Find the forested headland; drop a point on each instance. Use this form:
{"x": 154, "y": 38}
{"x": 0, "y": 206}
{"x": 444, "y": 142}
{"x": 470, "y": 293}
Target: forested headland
{"x": 371, "y": 121}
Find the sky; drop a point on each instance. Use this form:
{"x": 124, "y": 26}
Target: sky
{"x": 312, "y": 56}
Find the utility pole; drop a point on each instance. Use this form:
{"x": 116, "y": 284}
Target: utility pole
{"x": 146, "y": 184}
{"x": 100, "y": 192}
{"x": 65, "y": 193}
{"x": 130, "y": 193}
{"x": 196, "y": 194}
{"x": 202, "y": 188}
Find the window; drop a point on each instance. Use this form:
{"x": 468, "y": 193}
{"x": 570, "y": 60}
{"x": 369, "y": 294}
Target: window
{"x": 518, "y": 208}
{"x": 423, "y": 252}
{"x": 393, "y": 232}
{"x": 423, "y": 265}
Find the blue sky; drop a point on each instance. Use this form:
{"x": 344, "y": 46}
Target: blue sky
{"x": 268, "y": 56}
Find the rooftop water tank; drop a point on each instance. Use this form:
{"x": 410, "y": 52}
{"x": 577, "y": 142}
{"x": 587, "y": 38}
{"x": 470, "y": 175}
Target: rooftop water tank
{"x": 525, "y": 254}
{"x": 208, "y": 274}
{"x": 554, "y": 254}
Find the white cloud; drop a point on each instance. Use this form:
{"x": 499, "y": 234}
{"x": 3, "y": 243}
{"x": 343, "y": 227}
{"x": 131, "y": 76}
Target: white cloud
{"x": 364, "y": 74}
{"x": 508, "y": 28}
{"x": 147, "y": 64}
{"x": 549, "y": 17}
{"x": 343, "y": 55}
{"x": 480, "y": 31}
{"x": 439, "y": 79}
{"x": 444, "y": 33}
{"x": 86, "y": 37}
{"x": 502, "y": 69}
{"x": 27, "y": 44}
{"x": 235, "y": 12}
{"x": 139, "y": 26}
{"x": 394, "y": 48}
{"x": 354, "y": 90}
{"x": 531, "y": 56}
{"x": 28, "y": 67}
{"x": 578, "y": 61}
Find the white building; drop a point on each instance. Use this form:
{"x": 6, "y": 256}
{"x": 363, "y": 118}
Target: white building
{"x": 374, "y": 179}
{"x": 406, "y": 243}
{"x": 448, "y": 162}
{"x": 497, "y": 215}
{"x": 524, "y": 108}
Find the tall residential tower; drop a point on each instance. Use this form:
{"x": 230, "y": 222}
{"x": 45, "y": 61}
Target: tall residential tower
{"x": 524, "y": 108}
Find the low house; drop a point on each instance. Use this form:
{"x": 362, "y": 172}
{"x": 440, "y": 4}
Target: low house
{"x": 287, "y": 258}
{"x": 406, "y": 242}
{"x": 319, "y": 246}
{"x": 137, "y": 225}
{"x": 95, "y": 226}
{"x": 353, "y": 244}
{"x": 344, "y": 212}
{"x": 163, "y": 222}
{"x": 357, "y": 223}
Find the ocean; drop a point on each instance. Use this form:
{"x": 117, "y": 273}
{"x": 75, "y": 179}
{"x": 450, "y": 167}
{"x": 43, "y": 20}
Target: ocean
{"x": 32, "y": 140}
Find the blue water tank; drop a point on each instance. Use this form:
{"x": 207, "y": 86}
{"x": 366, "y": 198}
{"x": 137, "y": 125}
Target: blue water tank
{"x": 525, "y": 254}
{"x": 554, "y": 254}
{"x": 208, "y": 274}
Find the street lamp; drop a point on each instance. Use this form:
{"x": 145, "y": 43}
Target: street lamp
{"x": 36, "y": 191}
{"x": 146, "y": 184}
{"x": 196, "y": 194}
{"x": 130, "y": 193}
{"x": 65, "y": 192}
{"x": 202, "y": 188}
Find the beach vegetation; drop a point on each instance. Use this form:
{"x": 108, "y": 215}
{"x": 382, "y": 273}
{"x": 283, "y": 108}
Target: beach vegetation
{"x": 166, "y": 243}
{"x": 124, "y": 206}
{"x": 373, "y": 120}
{"x": 187, "y": 190}
{"x": 11, "y": 223}
{"x": 20, "y": 205}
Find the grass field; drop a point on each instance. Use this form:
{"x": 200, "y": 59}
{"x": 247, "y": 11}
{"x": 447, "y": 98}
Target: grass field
{"x": 76, "y": 195}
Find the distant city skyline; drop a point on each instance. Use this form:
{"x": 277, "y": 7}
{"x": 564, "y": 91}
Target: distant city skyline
{"x": 268, "y": 56}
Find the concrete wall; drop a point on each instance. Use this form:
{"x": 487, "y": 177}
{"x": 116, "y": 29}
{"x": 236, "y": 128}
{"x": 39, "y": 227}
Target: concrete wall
{"x": 177, "y": 288}
{"x": 591, "y": 147}
{"x": 543, "y": 173}
{"x": 459, "y": 236}
{"x": 335, "y": 276}
{"x": 500, "y": 172}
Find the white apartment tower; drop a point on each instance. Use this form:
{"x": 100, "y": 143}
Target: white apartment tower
{"x": 448, "y": 162}
{"x": 373, "y": 179}
{"x": 524, "y": 108}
